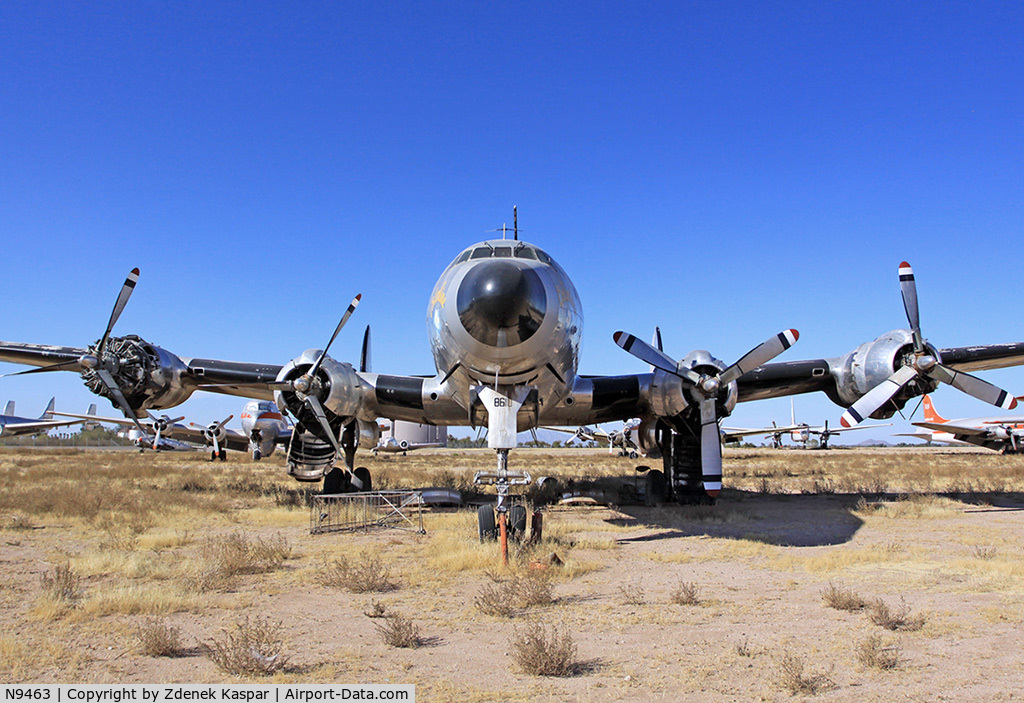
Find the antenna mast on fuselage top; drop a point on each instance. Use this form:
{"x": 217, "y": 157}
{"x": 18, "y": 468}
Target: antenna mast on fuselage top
{"x": 515, "y": 225}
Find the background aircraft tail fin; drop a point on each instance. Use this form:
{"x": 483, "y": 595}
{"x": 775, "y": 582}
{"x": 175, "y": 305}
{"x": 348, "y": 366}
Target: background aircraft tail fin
{"x": 9, "y": 408}
{"x": 48, "y": 413}
{"x": 930, "y": 414}
{"x": 364, "y": 356}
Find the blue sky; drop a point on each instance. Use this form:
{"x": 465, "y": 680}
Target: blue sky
{"x": 723, "y": 170}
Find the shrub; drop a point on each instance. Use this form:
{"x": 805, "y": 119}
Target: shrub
{"x": 377, "y": 610}
{"x": 233, "y": 555}
{"x": 875, "y": 653}
{"x": 495, "y": 599}
{"x": 251, "y": 648}
{"x": 62, "y": 584}
{"x": 544, "y": 652}
{"x": 502, "y": 598}
{"x": 793, "y": 679}
{"x": 399, "y": 631}
{"x": 632, "y": 593}
{"x": 842, "y": 598}
{"x": 895, "y": 619}
{"x": 366, "y": 574}
{"x": 685, "y": 593}
{"x": 158, "y": 639}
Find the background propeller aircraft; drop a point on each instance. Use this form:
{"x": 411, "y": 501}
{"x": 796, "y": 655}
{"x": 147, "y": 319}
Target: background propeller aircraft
{"x": 505, "y": 326}
{"x": 11, "y": 424}
{"x": 263, "y": 428}
{"x": 799, "y": 433}
{"x": 625, "y": 440}
{"x": 1004, "y": 434}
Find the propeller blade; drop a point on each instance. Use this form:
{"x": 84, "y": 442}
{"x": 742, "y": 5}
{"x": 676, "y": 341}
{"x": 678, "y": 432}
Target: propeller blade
{"x": 759, "y": 355}
{"x": 119, "y": 398}
{"x": 122, "y": 300}
{"x": 974, "y": 386}
{"x": 156, "y": 438}
{"x": 658, "y": 359}
{"x": 877, "y": 396}
{"x": 62, "y": 366}
{"x": 224, "y": 422}
{"x": 908, "y": 287}
{"x": 710, "y": 448}
{"x": 318, "y": 410}
{"x": 216, "y": 444}
{"x": 344, "y": 318}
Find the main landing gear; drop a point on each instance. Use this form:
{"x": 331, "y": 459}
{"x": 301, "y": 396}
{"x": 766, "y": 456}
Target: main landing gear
{"x": 349, "y": 479}
{"x": 682, "y": 477}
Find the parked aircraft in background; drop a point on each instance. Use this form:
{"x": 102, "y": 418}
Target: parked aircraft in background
{"x": 625, "y": 440}
{"x": 1002, "y": 434}
{"x": 400, "y": 436}
{"x": 505, "y": 326}
{"x": 12, "y": 425}
{"x": 263, "y": 428}
{"x": 799, "y": 433}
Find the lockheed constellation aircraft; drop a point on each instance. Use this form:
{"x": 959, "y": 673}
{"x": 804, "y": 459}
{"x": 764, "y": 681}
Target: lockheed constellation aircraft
{"x": 505, "y": 325}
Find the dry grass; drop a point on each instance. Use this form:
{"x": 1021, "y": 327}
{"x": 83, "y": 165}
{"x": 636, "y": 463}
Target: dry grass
{"x": 632, "y": 594}
{"x": 399, "y": 631}
{"x": 685, "y": 593}
{"x": 156, "y": 638}
{"x": 252, "y": 647}
{"x": 61, "y": 584}
{"x": 222, "y": 560}
{"x": 364, "y": 574}
{"x": 505, "y": 597}
{"x": 793, "y": 678}
{"x": 899, "y": 618}
{"x": 542, "y": 651}
{"x": 842, "y": 598}
{"x": 874, "y": 652}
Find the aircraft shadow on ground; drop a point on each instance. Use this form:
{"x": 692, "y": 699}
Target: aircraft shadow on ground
{"x": 783, "y": 520}
{"x": 794, "y": 520}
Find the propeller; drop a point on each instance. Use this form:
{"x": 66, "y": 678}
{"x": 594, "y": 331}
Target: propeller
{"x": 213, "y": 432}
{"x": 94, "y": 360}
{"x": 160, "y": 425}
{"x": 303, "y": 385}
{"x": 706, "y": 387}
{"x": 923, "y": 365}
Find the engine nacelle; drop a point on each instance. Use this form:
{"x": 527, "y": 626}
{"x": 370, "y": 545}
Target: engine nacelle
{"x": 872, "y": 363}
{"x": 336, "y": 385}
{"x": 647, "y": 439}
{"x": 150, "y": 377}
{"x": 671, "y": 396}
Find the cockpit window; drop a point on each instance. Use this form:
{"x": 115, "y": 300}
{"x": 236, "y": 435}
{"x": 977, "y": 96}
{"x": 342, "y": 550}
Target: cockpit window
{"x": 544, "y": 257}
{"x": 481, "y": 253}
{"x": 464, "y": 256}
{"x": 526, "y": 253}
{"x": 503, "y": 252}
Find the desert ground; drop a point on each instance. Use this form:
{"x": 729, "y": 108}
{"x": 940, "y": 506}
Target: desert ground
{"x": 842, "y": 575}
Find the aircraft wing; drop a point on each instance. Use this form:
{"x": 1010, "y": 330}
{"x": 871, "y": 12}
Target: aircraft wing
{"x": 952, "y": 429}
{"x": 144, "y": 421}
{"x": 34, "y": 426}
{"x": 746, "y": 432}
{"x": 988, "y": 356}
{"x": 837, "y": 430}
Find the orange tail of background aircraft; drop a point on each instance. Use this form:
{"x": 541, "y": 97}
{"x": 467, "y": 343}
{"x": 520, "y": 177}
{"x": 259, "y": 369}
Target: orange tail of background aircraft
{"x": 930, "y": 415}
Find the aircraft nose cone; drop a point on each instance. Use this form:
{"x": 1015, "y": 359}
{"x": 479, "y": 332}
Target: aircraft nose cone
{"x": 500, "y": 303}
